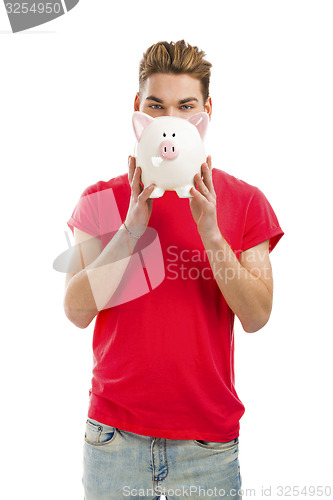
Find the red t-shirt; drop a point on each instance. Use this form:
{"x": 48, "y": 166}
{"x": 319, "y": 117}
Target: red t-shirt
{"x": 164, "y": 361}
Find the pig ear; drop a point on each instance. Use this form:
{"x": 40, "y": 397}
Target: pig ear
{"x": 200, "y": 120}
{"x": 140, "y": 122}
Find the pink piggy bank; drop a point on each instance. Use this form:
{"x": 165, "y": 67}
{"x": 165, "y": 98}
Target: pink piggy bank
{"x": 170, "y": 151}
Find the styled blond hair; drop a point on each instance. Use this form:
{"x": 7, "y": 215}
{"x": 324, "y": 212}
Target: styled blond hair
{"x": 175, "y": 58}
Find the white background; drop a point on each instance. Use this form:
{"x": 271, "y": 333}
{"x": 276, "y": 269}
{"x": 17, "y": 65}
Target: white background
{"x": 66, "y": 92}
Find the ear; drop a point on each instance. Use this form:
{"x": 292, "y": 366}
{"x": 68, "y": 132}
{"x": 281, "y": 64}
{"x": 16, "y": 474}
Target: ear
{"x": 200, "y": 120}
{"x": 140, "y": 121}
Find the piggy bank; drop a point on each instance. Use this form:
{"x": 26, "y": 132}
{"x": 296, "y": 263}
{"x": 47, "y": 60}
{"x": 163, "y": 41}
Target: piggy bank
{"x": 170, "y": 151}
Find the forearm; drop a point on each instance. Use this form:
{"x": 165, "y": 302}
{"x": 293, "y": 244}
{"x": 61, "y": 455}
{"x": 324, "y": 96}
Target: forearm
{"x": 90, "y": 290}
{"x": 246, "y": 294}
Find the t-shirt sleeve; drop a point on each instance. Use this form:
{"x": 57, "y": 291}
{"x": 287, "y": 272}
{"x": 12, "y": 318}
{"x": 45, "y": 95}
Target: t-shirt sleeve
{"x": 85, "y": 215}
{"x": 261, "y": 223}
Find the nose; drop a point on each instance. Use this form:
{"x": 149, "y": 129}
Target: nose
{"x": 168, "y": 150}
{"x": 170, "y": 112}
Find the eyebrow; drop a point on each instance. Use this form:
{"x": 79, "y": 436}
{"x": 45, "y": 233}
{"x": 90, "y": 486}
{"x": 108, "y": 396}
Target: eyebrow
{"x": 182, "y": 101}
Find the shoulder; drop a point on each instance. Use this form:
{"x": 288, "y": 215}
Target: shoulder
{"x": 230, "y": 185}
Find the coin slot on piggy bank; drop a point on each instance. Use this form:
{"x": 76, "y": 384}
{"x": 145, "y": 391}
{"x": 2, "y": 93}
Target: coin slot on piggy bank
{"x": 170, "y": 151}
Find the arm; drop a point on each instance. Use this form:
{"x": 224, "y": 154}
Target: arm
{"x": 88, "y": 291}
{"x": 247, "y": 284}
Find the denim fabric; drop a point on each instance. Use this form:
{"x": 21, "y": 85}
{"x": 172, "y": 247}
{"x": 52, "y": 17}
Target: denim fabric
{"x": 120, "y": 465}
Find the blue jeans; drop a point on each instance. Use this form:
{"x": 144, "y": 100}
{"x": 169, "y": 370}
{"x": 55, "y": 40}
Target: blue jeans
{"x": 119, "y": 464}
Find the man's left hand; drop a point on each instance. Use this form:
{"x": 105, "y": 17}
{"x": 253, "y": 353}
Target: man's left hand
{"x": 203, "y": 201}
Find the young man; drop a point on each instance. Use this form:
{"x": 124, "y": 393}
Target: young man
{"x": 164, "y": 413}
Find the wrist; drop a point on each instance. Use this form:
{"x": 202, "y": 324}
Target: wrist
{"x": 211, "y": 236}
{"x": 133, "y": 230}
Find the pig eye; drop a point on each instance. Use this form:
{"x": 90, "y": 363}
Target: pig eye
{"x": 173, "y": 135}
{"x": 164, "y": 134}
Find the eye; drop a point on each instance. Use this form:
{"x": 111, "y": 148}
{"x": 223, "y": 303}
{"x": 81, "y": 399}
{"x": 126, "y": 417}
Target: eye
{"x": 164, "y": 134}
{"x": 173, "y": 135}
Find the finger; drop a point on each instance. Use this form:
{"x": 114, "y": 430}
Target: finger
{"x": 203, "y": 188}
{"x": 204, "y": 169}
{"x": 143, "y": 197}
{"x": 198, "y": 197}
{"x": 208, "y": 178}
{"x": 136, "y": 187}
{"x": 209, "y": 161}
{"x": 131, "y": 169}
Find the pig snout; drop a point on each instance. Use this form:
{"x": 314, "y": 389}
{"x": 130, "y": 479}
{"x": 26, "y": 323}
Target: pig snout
{"x": 168, "y": 150}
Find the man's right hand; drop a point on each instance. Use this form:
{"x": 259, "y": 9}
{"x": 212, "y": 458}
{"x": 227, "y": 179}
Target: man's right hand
{"x": 140, "y": 207}
{"x": 90, "y": 290}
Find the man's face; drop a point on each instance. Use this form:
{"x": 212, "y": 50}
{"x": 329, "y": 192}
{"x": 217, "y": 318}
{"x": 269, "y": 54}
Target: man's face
{"x": 172, "y": 95}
